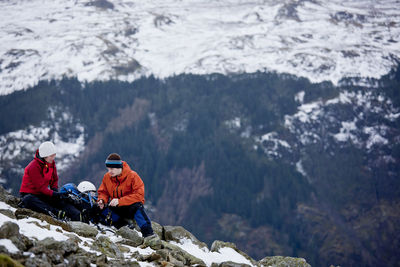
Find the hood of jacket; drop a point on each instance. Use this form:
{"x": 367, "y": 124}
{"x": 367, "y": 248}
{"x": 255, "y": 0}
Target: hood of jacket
{"x": 124, "y": 174}
{"x": 42, "y": 162}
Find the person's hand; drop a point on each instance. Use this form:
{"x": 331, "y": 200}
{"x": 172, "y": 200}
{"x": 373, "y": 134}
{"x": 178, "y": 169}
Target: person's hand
{"x": 114, "y": 202}
{"x": 101, "y": 204}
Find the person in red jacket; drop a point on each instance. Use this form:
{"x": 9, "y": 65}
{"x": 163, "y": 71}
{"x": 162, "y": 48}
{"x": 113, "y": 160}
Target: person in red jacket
{"x": 39, "y": 187}
{"x": 123, "y": 190}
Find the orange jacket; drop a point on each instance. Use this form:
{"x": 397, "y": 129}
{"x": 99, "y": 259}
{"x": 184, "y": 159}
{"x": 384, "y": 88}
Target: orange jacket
{"x": 128, "y": 187}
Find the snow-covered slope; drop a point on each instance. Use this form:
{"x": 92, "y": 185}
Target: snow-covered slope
{"x": 38, "y": 230}
{"x": 101, "y": 40}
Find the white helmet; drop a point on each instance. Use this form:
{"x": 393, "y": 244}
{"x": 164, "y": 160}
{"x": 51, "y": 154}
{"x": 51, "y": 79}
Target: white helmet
{"x": 86, "y": 186}
{"x": 47, "y": 149}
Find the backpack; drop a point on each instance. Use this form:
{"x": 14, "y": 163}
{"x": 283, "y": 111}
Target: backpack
{"x": 86, "y": 203}
{"x": 74, "y": 196}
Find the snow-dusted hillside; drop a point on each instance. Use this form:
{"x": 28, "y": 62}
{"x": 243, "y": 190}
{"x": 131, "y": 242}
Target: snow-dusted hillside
{"x": 35, "y": 239}
{"x": 101, "y": 40}
{"x": 37, "y": 230}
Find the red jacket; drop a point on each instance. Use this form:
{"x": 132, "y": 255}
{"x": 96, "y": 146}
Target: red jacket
{"x": 39, "y": 176}
{"x": 128, "y": 187}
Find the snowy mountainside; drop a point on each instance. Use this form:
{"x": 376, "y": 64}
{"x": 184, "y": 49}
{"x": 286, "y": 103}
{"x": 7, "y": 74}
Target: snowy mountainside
{"x": 365, "y": 105}
{"x": 17, "y": 143}
{"x": 33, "y": 240}
{"x": 102, "y": 40}
{"x": 294, "y": 138}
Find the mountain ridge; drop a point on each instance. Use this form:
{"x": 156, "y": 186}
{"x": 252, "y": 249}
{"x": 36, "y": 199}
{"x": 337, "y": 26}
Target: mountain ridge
{"x": 125, "y": 40}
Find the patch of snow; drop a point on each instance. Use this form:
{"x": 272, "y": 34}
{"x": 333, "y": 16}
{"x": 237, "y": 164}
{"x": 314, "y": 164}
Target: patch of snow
{"x": 392, "y": 116}
{"x": 234, "y": 123}
{"x": 375, "y": 137}
{"x": 247, "y": 132}
{"x": 29, "y": 227}
{"x": 9, "y": 245}
{"x": 272, "y": 144}
{"x": 300, "y": 169}
{"x": 347, "y": 132}
{"x": 308, "y": 112}
{"x": 299, "y": 97}
{"x": 309, "y": 138}
{"x": 181, "y": 125}
{"x": 5, "y": 206}
{"x": 224, "y": 254}
{"x": 343, "y": 98}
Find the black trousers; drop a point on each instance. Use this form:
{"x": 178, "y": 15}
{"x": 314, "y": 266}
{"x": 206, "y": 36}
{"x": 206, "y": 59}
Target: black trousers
{"x": 51, "y": 206}
{"x": 135, "y": 212}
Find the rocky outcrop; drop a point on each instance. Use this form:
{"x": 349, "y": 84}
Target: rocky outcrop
{"x": 217, "y": 245}
{"x": 284, "y": 261}
{"x": 28, "y": 238}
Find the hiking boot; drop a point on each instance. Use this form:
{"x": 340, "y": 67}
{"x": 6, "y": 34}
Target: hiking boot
{"x": 84, "y": 216}
{"x": 149, "y": 237}
{"x": 147, "y": 230}
{"x": 61, "y": 215}
{"x": 152, "y": 241}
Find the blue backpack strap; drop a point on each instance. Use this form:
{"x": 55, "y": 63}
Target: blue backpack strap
{"x": 92, "y": 199}
{"x": 69, "y": 188}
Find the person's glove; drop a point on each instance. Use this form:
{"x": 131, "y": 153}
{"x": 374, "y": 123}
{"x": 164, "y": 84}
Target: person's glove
{"x": 101, "y": 204}
{"x": 114, "y": 202}
{"x": 59, "y": 196}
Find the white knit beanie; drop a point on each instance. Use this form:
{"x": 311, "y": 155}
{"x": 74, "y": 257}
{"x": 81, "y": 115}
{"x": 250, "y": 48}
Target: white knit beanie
{"x": 46, "y": 149}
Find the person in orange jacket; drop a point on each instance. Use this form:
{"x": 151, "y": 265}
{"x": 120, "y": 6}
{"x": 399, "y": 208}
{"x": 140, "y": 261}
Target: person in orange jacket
{"x": 122, "y": 189}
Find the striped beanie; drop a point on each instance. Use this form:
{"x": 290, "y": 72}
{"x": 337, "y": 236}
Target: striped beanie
{"x": 114, "y": 161}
